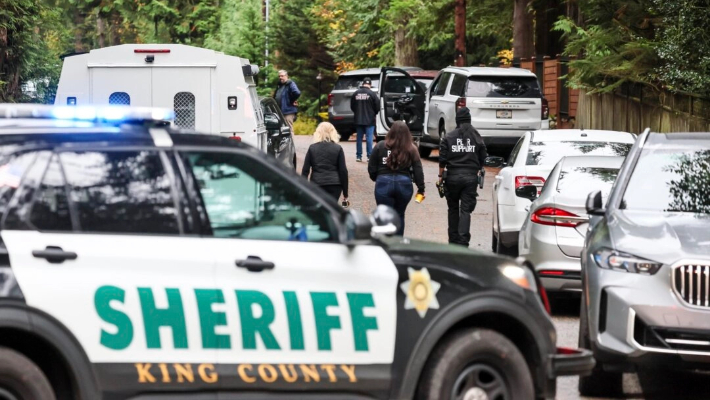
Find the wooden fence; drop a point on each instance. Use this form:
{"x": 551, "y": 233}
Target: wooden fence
{"x": 633, "y": 109}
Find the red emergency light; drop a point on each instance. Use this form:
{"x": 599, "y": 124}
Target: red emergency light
{"x": 151, "y": 51}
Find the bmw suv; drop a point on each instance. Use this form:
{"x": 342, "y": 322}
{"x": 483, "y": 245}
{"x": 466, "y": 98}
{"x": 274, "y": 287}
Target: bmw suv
{"x": 646, "y": 263}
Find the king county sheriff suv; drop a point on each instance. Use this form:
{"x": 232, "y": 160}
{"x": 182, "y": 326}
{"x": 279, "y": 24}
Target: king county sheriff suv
{"x": 138, "y": 261}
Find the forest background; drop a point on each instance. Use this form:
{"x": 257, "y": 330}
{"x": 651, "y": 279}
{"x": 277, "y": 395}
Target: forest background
{"x": 661, "y": 44}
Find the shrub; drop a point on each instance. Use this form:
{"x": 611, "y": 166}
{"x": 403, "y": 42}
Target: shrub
{"x": 304, "y": 125}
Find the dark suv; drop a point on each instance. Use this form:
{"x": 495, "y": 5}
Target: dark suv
{"x": 339, "y": 113}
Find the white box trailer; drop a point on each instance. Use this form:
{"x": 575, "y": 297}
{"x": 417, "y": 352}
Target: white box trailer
{"x": 210, "y": 92}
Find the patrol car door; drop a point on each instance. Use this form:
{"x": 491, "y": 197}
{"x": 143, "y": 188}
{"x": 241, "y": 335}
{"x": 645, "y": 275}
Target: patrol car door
{"x": 304, "y": 311}
{"x": 103, "y": 254}
{"x": 401, "y": 99}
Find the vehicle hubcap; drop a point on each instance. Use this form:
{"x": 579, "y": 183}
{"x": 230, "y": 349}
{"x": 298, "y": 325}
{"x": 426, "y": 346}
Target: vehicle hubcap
{"x": 480, "y": 382}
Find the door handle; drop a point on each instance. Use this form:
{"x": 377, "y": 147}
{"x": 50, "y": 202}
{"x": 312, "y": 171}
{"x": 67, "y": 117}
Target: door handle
{"x": 254, "y": 264}
{"x": 54, "y": 254}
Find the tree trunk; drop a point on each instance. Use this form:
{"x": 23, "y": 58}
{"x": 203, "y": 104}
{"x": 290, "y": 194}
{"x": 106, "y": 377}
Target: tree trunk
{"x": 547, "y": 41}
{"x": 115, "y": 21}
{"x": 460, "y": 32}
{"x": 78, "y": 32}
{"x": 523, "y": 46}
{"x": 405, "y": 48}
{"x": 101, "y": 30}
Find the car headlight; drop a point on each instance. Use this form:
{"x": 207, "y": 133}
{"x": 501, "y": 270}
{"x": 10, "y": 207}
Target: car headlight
{"x": 618, "y": 261}
{"x": 521, "y": 276}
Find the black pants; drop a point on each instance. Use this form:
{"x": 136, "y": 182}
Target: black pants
{"x": 333, "y": 190}
{"x": 461, "y": 199}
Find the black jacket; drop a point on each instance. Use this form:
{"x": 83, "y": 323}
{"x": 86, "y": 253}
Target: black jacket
{"x": 378, "y": 166}
{"x": 365, "y": 105}
{"x": 462, "y": 151}
{"x": 328, "y": 163}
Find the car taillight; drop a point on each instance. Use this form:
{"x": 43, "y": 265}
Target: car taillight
{"x": 555, "y": 217}
{"x": 545, "y": 109}
{"x": 536, "y": 181}
{"x": 330, "y": 100}
{"x": 460, "y": 102}
{"x": 545, "y": 300}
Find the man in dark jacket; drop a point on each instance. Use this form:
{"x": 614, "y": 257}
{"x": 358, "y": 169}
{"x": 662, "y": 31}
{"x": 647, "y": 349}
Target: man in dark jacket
{"x": 462, "y": 153}
{"x": 365, "y": 105}
{"x": 286, "y": 95}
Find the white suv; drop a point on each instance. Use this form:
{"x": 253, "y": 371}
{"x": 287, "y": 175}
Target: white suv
{"x": 530, "y": 163}
{"x": 504, "y": 104}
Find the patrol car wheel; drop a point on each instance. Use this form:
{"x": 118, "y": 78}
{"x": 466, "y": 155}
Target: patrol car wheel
{"x": 424, "y": 152}
{"x": 599, "y": 383}
{"x": 476, "y": 364}
{"x": 21, "y": 379}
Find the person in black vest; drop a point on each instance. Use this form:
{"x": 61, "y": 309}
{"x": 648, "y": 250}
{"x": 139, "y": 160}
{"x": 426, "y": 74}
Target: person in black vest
{"x": 365, "y": 105}
{"x": 326, "y": 159}
{"x": 462, "y": 154}
{"x": 393, "y": 163}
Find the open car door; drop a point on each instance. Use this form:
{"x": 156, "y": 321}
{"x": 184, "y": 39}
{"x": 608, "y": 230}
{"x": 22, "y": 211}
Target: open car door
{"x": 401, "y": 99}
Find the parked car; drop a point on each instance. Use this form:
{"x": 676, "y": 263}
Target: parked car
{"x": 504, "y": 104}
{"x": 530, "y": 162}
{"x": 339, "y": 113}
{"x": 279, "y": 137}
{"x": 646, "y": 263}
{"x": 141, "y": 261}
{"x": 552, "y": 236}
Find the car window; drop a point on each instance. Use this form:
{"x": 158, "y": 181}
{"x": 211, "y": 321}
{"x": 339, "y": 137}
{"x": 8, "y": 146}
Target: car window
{"x": 12, "y": 169}
{"x": 546, "y": 153}
{"x": 120, "y": 191}
{"x": 516, "y": 150}
{"x": 401, "y": 84}
{"x": 425, "y": 81}
{"x": 670, "y": 180}
{"x": 503, "y": 86}
{"x": 583, "y": 180}
{"x": 441, "y": 85}
{"x": 50, "y": 211}
{"x": 458, "y": 85}
{"x": 354, "y": 82}
{"x": 247, "y": 201}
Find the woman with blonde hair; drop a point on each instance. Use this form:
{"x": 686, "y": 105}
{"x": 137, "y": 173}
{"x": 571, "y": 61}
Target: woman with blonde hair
{"x": 326, "y": 159}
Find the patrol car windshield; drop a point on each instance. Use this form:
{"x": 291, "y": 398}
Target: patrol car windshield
{"x": 503, "y": 86}
{"x": 670, "y": 180}
{"x": 354, "y": 82}
{"x": 546, "y": 153}
{"x": 242, "y": 200}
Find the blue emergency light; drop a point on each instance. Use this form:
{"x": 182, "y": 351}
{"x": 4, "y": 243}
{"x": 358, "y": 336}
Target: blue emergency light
{"x": 111, "y": 114}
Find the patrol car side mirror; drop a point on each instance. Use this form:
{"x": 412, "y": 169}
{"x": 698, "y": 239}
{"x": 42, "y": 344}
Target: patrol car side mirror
{"x": 385, "y": 221}
{"x": 594, "y": 203}
{"x": 272, "y": 122}
{"x": 358, "y": 226}
{"x": 527, "y": 192}
{"x": 494, "y": 161}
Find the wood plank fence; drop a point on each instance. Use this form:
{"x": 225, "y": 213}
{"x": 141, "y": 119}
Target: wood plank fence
{"x": 632, "y": 108}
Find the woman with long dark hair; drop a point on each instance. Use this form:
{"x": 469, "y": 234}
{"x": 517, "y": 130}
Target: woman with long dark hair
{"x": 393, "y": 163}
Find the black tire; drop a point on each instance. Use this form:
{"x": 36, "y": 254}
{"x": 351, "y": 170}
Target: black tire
{"x": 599, "y": 383}
{"x": 476, "y": 360}
{"x": 21, "y": 378}
{"x": 442, "y": 130}
{"x": 344, "y": 137}
{"x": 424, "y": 152}
{"x": 295, "y": 163}
{"x": 500, "y": 248}
{"x": 494, "y": 242}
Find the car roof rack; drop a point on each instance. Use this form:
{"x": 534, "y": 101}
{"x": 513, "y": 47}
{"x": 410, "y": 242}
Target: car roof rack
{"x": 97, "y": 114}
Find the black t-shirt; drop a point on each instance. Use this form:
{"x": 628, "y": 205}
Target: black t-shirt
{"x": 378, "y": 166}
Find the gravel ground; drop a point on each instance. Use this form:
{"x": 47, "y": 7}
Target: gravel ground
{"x": 428, "y": 221}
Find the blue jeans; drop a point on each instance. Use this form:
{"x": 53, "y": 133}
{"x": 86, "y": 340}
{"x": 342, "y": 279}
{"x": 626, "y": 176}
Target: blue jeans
{"x": 361, "y": 131}
{"x": 395, "y": 191}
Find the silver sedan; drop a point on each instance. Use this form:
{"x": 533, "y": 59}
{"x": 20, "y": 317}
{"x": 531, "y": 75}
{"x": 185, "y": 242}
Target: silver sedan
{"x": 552, "y": 236}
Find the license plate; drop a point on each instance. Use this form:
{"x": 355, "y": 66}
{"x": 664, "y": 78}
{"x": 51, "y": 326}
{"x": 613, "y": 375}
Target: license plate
{"x": 504, "y": 114}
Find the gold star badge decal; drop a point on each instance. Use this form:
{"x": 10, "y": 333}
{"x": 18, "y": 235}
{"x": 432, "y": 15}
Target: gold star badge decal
{"x": 420, "y": 291}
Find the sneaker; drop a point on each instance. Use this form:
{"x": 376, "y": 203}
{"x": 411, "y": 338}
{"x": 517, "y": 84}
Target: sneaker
{"x": 358, "y": 159}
